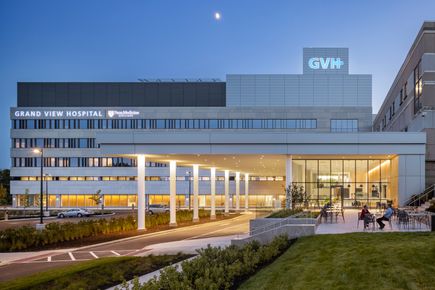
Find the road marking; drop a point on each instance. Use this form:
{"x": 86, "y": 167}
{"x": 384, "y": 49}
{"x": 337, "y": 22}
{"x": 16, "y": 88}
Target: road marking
{"x": 71, "y": 256}
{"x": 208, "y": 233}
{"x": 49, "y": 259}
{"x": 93, "y": 255}
{"x": 115, "y": 253}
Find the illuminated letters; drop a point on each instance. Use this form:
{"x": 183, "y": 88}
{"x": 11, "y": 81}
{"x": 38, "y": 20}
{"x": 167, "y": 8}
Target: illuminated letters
{"x": 325, "y": 63}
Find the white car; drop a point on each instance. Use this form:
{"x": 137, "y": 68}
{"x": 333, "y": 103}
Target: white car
{"x": 157, "y": 208}
{"x": 74, "y": 212}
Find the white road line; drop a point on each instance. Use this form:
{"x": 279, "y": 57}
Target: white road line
{"x": 71, "y": 256}
{"x": 93, "y": 255}
{"x": 115, "y": 253}
{"x": 208, "y": 233}
{"x": 49, "y": 259}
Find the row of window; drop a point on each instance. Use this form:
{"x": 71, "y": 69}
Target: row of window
{"x": 403, "y": 95}
{"x": 166, "y": 124}
{"x": 147, "y": 178}
{"x": 130, "y": 200}
{"x": 53, "y": 143}
{"x": 80, "y": 162}
{"x": 344, "y": 125}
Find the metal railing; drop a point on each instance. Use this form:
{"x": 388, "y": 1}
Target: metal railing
{"x": 419, "y": 199}
{"x": 281, "y": 223}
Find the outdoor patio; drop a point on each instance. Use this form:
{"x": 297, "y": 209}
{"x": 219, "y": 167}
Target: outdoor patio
{"x": 350, "y": 224}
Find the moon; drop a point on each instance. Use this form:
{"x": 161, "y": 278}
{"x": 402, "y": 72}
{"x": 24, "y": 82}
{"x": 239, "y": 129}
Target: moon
{"x": 217, "y": 16}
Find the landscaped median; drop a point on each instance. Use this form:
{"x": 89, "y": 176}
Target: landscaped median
{"x": 58, "y": 234}
{"x": 218, "y": 268}
{"x": 95, "y": 274}
{"x": 352, "y": 261}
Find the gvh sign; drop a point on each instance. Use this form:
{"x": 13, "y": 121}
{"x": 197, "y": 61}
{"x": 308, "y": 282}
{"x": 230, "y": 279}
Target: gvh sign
{"x": 325, "y": 63}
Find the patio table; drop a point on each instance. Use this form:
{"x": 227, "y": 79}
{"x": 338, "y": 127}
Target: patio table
{"x": 331, "y": 212}
{"x": 419, "y": 218}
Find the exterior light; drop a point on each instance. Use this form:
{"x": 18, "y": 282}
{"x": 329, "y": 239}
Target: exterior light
{"x": 37, "y": 151}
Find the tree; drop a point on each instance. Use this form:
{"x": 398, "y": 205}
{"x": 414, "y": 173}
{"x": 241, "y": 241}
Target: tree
{"x": 295, "y": 195}
{"x": 5, "y": 181}
{"x": 98, "y": 199}
{"x": 25, "y": 198}
{"x": 3, "y": 195}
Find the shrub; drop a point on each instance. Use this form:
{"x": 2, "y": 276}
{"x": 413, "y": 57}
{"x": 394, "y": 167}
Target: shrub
{"x": 219, "y": 268}
{"x": 284, "y": 213}
{"x": 27, "y": 237}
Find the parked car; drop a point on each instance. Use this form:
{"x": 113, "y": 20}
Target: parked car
{"x": 74, "y": 212}
{"x": 157, "y": 208}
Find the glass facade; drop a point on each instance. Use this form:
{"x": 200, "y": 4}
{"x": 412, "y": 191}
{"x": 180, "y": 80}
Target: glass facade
{"x": 344, "y": 125}
{"x": 166, "y": 124}
{"x": 350, "y": 182}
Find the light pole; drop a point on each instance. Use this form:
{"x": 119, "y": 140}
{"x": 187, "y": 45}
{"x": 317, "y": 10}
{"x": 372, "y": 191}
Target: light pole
{"x": 41, "y": 200}
{"x": 46, "y": 191}
{"x": 190, "y": 186}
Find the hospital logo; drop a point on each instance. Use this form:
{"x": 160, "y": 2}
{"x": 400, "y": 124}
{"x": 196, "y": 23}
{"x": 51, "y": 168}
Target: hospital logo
{"x": 110, "y": 114}
{"x": 325, "y": 63}
{"x": 122, "y": 114}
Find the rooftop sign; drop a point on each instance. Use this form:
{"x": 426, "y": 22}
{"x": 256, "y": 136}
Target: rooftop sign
{"x": 320, "y": 60}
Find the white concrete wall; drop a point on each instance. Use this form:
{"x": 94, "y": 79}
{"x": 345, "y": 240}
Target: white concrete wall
{"x": 407, "y": 176}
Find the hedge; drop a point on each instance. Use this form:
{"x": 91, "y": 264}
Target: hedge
{"x": 283, "y": 213}
{"x": 27, "y": 237}
{"x": 218, "y": 268}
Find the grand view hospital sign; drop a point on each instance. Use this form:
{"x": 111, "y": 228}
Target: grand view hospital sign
{"x": 75, "y": 114}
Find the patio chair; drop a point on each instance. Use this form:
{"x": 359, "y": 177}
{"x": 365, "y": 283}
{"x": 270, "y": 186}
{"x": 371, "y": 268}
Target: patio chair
{"x": 402, "y": 219}
{"x": 358, "y": 219}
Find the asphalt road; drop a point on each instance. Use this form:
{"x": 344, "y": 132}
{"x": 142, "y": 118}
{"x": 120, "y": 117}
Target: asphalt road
{"x": 126, "y": 247}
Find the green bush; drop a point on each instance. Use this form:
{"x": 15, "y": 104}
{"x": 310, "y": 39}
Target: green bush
{"x": 284, "y": 213}
{"x": 93, "y": 274}
{"x": 27, "y": 237}
{"x": 219, "y": 268}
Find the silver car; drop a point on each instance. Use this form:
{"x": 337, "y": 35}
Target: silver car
{"x": 157, "y": 208}
{"x": 74, "y": 212}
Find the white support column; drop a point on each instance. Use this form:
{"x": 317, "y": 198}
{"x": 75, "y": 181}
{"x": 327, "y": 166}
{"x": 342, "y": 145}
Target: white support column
{"x": 58, "y": 200}
{"x": 288, "y": 179}
{"x": 172, "y": 193}
{"x": 195, "y": 193}
{"x": 246, "y": 191}
{"x": 213, "y": 193}
{"x": 227, "y": 192}
{"x": 141, "y": 192}
{"x": 237, "y": 191}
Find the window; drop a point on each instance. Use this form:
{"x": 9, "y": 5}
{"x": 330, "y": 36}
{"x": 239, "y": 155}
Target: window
{"x": 344, "y": 125}
{"x": 164, "y": 124}
{"x": 418, "y": 87}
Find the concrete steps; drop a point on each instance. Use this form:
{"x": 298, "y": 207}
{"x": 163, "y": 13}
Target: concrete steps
{"x": 426, "y": 205}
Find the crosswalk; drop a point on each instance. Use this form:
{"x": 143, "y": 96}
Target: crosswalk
{"x": 81, "y": 256}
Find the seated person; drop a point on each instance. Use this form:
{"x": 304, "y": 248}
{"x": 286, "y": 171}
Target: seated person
{"x": 386, "y": 217}
{"x": 366, "y": 216}
{"x": 324, "y": 209}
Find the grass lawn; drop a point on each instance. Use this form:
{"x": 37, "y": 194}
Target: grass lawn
{"x": 352, "y": 261}
{"x": 94, "y": 274}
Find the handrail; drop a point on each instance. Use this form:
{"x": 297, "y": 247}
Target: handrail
{"x": 419, "y": 199}
{"x": 275, "y": 225}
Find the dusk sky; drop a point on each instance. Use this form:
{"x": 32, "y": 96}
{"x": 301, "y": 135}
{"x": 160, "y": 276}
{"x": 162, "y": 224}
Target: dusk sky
{"x": 126, "y": 40}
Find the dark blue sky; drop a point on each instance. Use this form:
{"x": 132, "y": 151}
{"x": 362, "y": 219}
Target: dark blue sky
{"x": 125, "y": 40}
